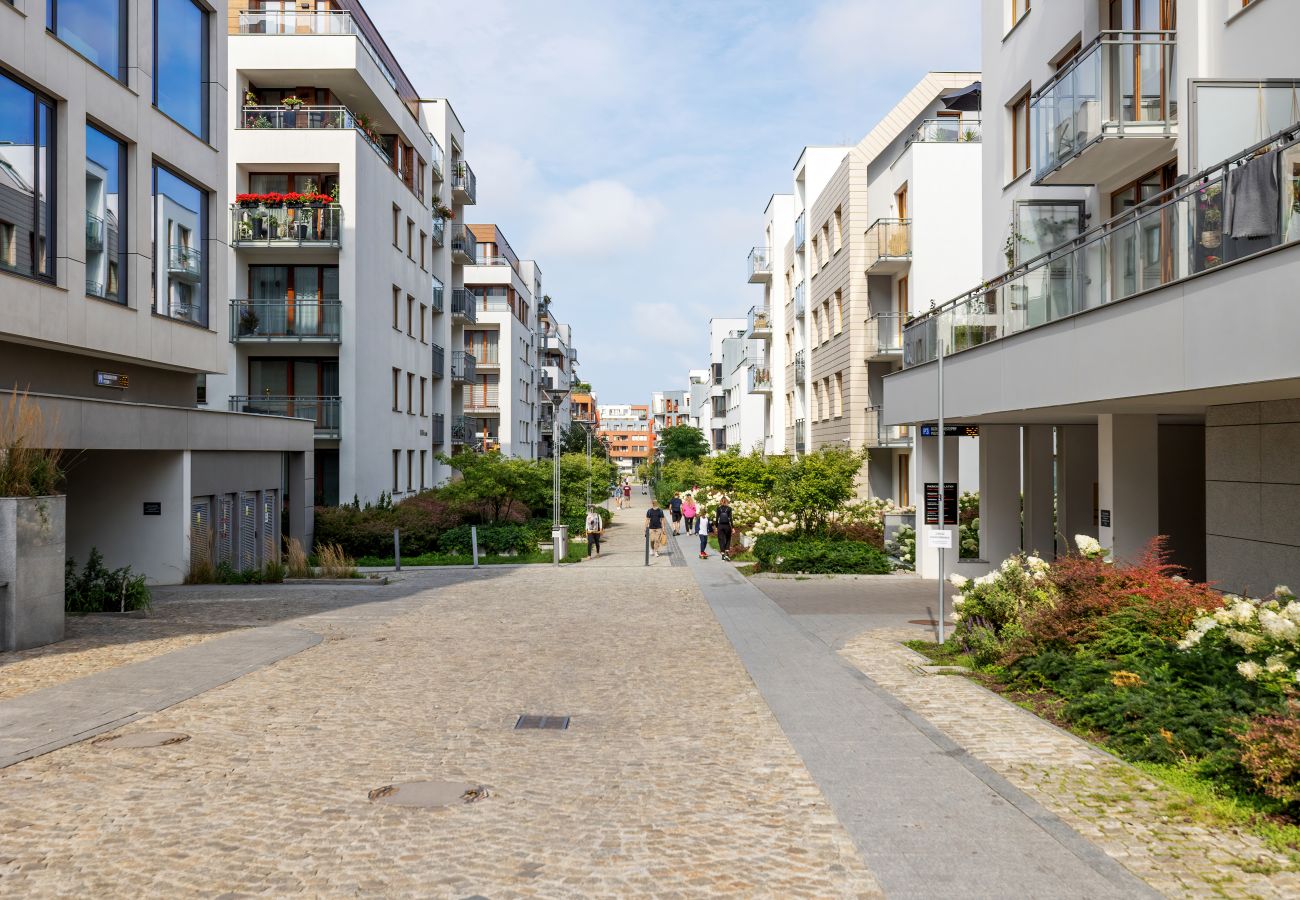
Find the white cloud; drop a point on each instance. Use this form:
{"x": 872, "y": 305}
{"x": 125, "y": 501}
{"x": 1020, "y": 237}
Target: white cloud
{"x": 872, "y": 37}
{"x": 599, "y": 217}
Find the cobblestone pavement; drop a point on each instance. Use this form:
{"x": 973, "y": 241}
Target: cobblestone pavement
{"x": 673, "y": 780}
{"x": 1129, "y": 816}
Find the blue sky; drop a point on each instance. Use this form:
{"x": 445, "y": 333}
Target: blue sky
{"x": 630, "y": 148}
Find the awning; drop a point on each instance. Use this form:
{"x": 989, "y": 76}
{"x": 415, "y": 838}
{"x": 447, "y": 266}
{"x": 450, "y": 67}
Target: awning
{"x": 967, "y": 99}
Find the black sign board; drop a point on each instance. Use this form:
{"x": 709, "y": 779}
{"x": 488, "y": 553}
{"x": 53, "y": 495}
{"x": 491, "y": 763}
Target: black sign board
{"x": 112, "y": 380}
{"x": 1105, "y": 518}
{"x": 932, "y": 503}
{"x": 932, "y": 430}
{"x": 152, "y": 508}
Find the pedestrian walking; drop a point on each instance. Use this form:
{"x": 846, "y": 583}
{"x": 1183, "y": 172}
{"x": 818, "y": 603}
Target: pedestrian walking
{"x": 627, "y": 494}
{"x": 595, "y": 525}
{"x": 702, "y": 529}
{"x": 675, "y": 510}
{"x": 724, "y": 528}
{"x": 654, "y": 517}
{"x": 689, "y": 512}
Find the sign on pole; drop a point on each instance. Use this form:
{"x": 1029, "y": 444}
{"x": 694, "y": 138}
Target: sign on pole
{"x": 940, "y": 539}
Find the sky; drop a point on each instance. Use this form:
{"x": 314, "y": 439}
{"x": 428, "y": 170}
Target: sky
{"x": 630, "y": 148}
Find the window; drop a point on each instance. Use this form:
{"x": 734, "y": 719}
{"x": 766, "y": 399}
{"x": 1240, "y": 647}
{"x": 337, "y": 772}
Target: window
{"x": 424, "y": 314}
{"x": 397, "y": 306}
{"x": 900, "y": 201}
{"x": 397, "y": 375}
{"x": 28, "y": 209}
{"x": 816, "y": 251}
{"x": 424, "y": 386}
{"x": 410, "y": 316}
{"x": 839, "y": 229}
{"x": 1042, "y": 225}
{"x": 826, "y": 321}
{"x": 397, "y": 461}
{"x": 397, "y": 224}
{"x": 410, "y": 239}
{"x": 424, "y": 262}
{"x": 839, "y": 394}
{"x": 816, "y": 326}
{"x": 826, "y": 392}
{"x": 105, "y": 215}
{"x": 1018, "y": 9}
{"x": 839, "y": 311}
{"x": 201, "y": 389}
{"x": 180, "y": 231}
{"x": 94, "y": 28}
{"x": 410, "y": 470}
{"x": 826, "y": 242}
{"x": 817, "y": 400}
{"x": 1020, "y": 136}
{"x": 410, "y": 393}
{"x": 903, "y": 307}
{"x": 180, "y": 55}
{"x": 424, "y": 454}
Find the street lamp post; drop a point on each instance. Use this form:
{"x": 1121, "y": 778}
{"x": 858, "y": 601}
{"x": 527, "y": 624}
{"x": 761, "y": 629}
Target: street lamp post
{"x": 559, "y": 536}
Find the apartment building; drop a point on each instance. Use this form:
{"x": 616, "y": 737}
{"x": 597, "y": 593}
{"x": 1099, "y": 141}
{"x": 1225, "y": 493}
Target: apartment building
{"x": 500, "y": 383}
{"x": 769, "y": 367}
{"x": 584, "y": 409}
{"x": 742, "y": 360}
{"x": 558, "y": 361}
{"x": 628, "y": 433}
{"x": 699, "y": 387}
{"x": 669, "y": 409}
{"x": 1126, "y": 353}
{"x": 338, "y": 229}
{"x": 710, "y": 405}
{"x": 113, "y": 274}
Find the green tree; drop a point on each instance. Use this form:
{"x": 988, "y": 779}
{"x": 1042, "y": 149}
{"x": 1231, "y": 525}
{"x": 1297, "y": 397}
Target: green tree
{"x": 494, "y": 487}
{"x": 817, "y": 484}
{"x": 575, "y": 476}
{"x": 682, "y": 442}
{"x": 573, "y": 439}
{"x": 746, "y": 476}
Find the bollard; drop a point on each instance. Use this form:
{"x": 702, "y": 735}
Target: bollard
{"x": 647, "y": 545}
{"x": 473, "y": 542}
{"x": 397, "y": 550}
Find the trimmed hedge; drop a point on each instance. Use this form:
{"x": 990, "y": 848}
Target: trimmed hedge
{"x": 818, "y": 555}
{"x": 493, "y": 540}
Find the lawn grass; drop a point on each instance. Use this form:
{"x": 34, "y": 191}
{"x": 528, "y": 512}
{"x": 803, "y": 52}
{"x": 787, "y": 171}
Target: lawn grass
{"x": 577, "y": 553}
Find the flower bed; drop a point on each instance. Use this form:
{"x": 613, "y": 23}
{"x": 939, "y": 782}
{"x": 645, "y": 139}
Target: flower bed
{"x": 251, "y": 201}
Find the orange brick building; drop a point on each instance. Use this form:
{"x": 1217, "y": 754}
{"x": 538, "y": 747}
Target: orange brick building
{"x": 629, "y": 433}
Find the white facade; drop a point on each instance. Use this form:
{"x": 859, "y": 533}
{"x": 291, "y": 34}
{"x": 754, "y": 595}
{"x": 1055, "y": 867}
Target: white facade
{"x": 767, "y": 265}
{"x": 1108, "y": 379}
{"x": 746, "y": 412}
{"x": 558, "y": 358}
{"x": 710, "y": 408}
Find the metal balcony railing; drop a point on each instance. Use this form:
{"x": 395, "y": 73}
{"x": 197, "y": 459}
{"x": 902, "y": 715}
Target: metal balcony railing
{"x": 1171, "y": 237}
{"x": 439, "y": 361}
{"x": 284, "y": 226}
{"x": 884, "y": 335}
{"x": 800, "y": 300}
{"x": 94, "y": 232}
{"x": 881, "y": 435}
{"x": 311, "y": 22}
{"x": 889, "y": 241}
{"x": 463, "y": 367}
{"x": 285, "y": 320}
{"x": 435, "y": 158}
{"x": 760, "y": 264}
{"x": 948, "y": 131}
{"x": 1124, "y": 84}
{"x": 303, "y": 116}
{"x": 760, "y": 324}
{"x": 439, "y": 232}
{"x": 184, "y": 262}
{"x": 760, "y": 380}
{"x": 799, "y": 232}
{"x": 464, "y": 306}
{"x": 438, "y": 291}
{"x": 324, "y": 411}
{"x": 800, "y": 366}
{"x": 464, "y": 183}
{"x": 464, "y": 246}
{"x": 462, "y": 431}
{"x": 800, "y": 436}
{"x": 438, "y": 429}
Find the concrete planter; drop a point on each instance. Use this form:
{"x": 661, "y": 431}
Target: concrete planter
{"x": 31, "y": 571}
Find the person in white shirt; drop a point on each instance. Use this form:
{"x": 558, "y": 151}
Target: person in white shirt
{"x": 595, "y": 525}
{"x": 702, "y": 529}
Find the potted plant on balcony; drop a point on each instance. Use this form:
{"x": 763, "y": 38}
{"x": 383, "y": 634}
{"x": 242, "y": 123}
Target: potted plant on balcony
{"x": 1212, "y": 232}
{"x": 291, "y": 105}
{"x": 443, "y": 210}
{"x": 248, "y": 320}
{"x": 32, "y": 533}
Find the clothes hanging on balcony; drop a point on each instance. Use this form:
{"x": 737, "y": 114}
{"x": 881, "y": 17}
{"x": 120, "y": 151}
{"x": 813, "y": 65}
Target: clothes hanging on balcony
{"x": 1253, "y": 196}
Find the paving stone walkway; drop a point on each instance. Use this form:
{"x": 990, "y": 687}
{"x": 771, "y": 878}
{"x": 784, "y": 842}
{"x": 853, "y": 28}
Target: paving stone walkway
{"x": 1120, "y": 810}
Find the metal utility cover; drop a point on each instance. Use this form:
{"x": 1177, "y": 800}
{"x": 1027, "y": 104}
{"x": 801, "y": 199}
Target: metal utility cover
{"x": 544, "y": 723}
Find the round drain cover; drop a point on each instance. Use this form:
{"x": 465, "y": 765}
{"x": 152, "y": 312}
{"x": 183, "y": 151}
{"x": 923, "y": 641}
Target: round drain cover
{"x": 140, "y": 739}
{"x": 429, "y": 794}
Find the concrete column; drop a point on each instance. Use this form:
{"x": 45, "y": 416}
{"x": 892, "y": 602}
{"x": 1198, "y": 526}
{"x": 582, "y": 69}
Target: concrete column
{"x": 1077, "y": 486}
{"x": 1128, "y": 482}
{"x": 999, "y": 474}
{"x": 1038, "y": 481}
{"x": 301, "y": 491}
{"x": 926, "y": 458}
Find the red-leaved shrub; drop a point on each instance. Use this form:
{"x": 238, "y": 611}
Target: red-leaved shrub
{"x": 1270, "y": 753}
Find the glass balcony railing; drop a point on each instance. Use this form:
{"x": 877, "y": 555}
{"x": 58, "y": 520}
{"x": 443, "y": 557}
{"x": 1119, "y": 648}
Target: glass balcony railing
{"x": 881, "y": 435}
{"x": 889, "y": 244}
{"x": 1122, "y": 85}
{"x": 438, "y": 292}
{"x": 948, "y": 131}
{"x": 438, "y": 429}
{"x": 464, "y": 306}
{"x": 800, "y": 300}
{"x": 800, "y": 436}
{"x": 760, "y": 379}
{"x": 278, "y": 226}
{"x": 324, "y": 411}
{"x": 463, "y": 182}
{"x": 799, "y": 228}
{"x": 285, "y": 320}
{"x": 1173, "y": 236}
{"x": 310, "y": 22}
{"x": 94, "y": 232}
{"x": 184, "y": 262}
{"x": 335, "y": 118}
{"x": 464, "y": 246}
{"x": 760, "y": 264}
{"x": 439, "y": 361}
{"x": 435, "y": 158}
{"x": 884, "y": 335}
{"x": 800, "y": 366}
{"x": 439, "y": 230}
{"x": 760, "y": 323}
{"x": 463, "y": 367}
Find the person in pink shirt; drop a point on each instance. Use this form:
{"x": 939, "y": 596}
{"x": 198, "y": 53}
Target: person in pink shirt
{"x": 689, "y": 512}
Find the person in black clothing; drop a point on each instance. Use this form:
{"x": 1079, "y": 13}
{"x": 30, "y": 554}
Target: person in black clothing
{"x": 723, "y": 521}
{"x": 675, "y": 507}
{"x": 655, "y": 525}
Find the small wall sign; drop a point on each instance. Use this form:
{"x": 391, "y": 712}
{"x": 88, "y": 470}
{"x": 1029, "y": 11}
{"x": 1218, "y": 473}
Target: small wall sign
{"x": 152, "y": 508}
{"x": 112, "y": 380}
{"x": 949, "y": 503}
{"x": 940, "y": 539}
{"x": 1105, "y": 518}
{"x": 932, "y": 430}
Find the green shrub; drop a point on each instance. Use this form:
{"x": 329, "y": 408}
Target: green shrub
{"x": 368, "y": 530}
{"x": 493, "y": 540}
{"x": 100, "y": 589}
{"x": 818, "y": 555}
{"x": 1270, "y": 753}
{"x": 990, "y": 610}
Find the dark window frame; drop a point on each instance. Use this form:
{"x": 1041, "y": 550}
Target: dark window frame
{"x": 39, "y": 175}
{"x": 123, "y": 216}
{"x": 123, "y": 37}
{"x": 205, "y": 80}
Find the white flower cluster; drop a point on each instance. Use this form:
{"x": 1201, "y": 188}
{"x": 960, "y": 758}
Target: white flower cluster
{"x": 776, "y": 523}
{"x": 1089, "y": 547}
{"x": 1266, "y": 631}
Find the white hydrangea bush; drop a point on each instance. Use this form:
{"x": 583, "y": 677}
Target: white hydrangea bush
{"x": 1266, "y": 632}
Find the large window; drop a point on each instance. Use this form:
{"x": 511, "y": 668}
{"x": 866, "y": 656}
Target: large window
{"x": 105, "y": 216}
{"x": 180, "y": 227}
{"x": 26, "y": 180}
{"x": 1020, "y": 136}
{"x": 94, "y": 28}
{"x": 180, "y": 53}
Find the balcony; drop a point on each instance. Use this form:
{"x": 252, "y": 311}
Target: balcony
{"x": 1110, "y": 114}
{"x": 435, "y": 159}
{"x": 487, "y": 356}
{"x": 94, "y": 232}
{"x": 800, "y": 366}
{"x": 281, "y": 227}
{"x": 889, "y": 246}
{"x": 572, "y": 355}
{"x": 464, "y": 246}
{"x": 481, "y": 406}
{"x": 324, "y": 411}
{"x": 285, "y": 321}
{"x": 462, "y": 432}
{"x": 800, "y": 301}
{"x": 315, "y": 22}
{"x": 464, "y": 306}
{"x": 881, "y": 435}
{"x": 464, "y": 187}
{"x": 760, "y": 324}
{"x": 760, "y": 265}
{"x": 439, "y": 361}
{"x": 184, "y": 263}
{"x": 438, "y": 429}
{"x": 884, "y": 337}
{"x": 1172, "y": 237}
{"x": 305, "y": 117}
{"x": 463, "y": 367}
{"x": 439, "y": 233}
{"x": 438, "y": 291}
{"x": 799, "y": 232}
{"x": 760, "y": 379}
{"x": 948, "y": 131}
{"x": 800, "y": 436}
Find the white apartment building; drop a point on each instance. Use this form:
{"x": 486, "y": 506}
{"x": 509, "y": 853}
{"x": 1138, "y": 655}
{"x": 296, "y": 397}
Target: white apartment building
{"x": 669, "y": 409}
{"x": 113, "y": 284}
{"x": 340, "y": 266}
{"x": 1127, "y": 352}
{"x": 770, "y": 360}
{"x": 711, "y": 413}
{"x": 699, "y": 387}
{"x": 743, "y": 359}
{"x": 558, "y": 361}
{"x": 500, "y": 385}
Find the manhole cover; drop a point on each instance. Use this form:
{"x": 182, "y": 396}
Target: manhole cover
{"x": 139, "y": 739}
{"x": 429, "y": 794}
{"x": 930, "y": 622}
{"x": 545, "y": 723}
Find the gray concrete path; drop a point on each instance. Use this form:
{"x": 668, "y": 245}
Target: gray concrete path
{"x": 928, "y": 819}
{"x": 623, "y": 543}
